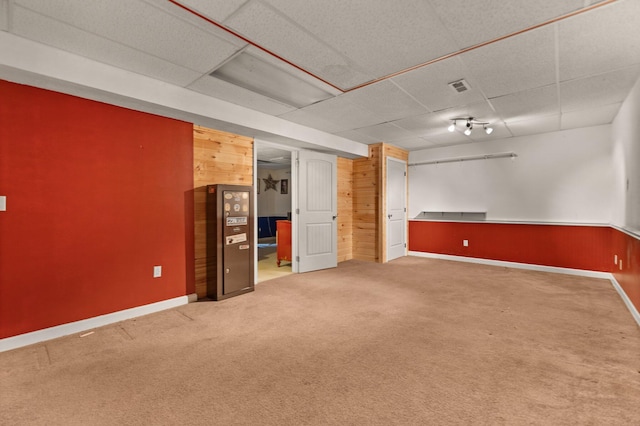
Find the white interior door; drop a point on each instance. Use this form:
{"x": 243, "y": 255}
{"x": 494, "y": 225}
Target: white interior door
{"x": 317, "y": 211}
{"x": 396, "y": 208}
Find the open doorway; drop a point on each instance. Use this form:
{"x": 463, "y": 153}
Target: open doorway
{"x": 273, "y": 188}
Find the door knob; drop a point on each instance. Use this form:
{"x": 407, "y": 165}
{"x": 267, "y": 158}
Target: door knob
{"x": 389, "y": 216}
{"x": 334, "y": 218}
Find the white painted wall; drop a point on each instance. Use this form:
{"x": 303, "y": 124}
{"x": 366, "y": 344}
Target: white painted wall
{"x": 626, "y": 163}
{"x": 563, "y": 176}
{"x": 274, "y": 203}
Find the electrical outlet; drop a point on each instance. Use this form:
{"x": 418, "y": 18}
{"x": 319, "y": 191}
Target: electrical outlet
{"x": 157, "y": 271}
{"x": 621, "y": 264}
{"x": 3, "y": 203}
{"x": 465, "y": 243}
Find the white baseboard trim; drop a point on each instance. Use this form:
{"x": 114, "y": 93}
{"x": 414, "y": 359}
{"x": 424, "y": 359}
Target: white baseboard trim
{"x": 553, "y": 269}
{"x": 632, "y": 309}
{"x": 38, "y": 336}
{"x": 529, "y": 266}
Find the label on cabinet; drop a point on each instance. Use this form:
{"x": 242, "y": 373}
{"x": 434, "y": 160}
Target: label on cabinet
{"x": 235, "y": 239}
{"x": 236, "y": 220}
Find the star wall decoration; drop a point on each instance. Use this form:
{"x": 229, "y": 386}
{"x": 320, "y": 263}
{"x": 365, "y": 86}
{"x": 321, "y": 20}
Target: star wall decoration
{"x": 270, "y": 183}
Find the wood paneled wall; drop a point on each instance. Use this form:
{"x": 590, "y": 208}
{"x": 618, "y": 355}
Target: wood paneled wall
{"x": 218, "y": 158}
{"x": 369, "y": 200}
{"x": 366, "y": 191}
{"x": 345, "y": 209}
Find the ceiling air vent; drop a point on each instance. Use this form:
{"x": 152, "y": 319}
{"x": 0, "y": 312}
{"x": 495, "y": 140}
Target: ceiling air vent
{"x": 460, "y": 86}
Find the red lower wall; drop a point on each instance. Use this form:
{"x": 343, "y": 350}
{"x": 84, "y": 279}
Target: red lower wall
{"x": 567, "y": 246}
{"x": 627, "y": 248}
{"x": 577, "y": 247}
{"x": 96, "y": 196}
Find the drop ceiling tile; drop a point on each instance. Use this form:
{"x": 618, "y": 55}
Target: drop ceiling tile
{"x": 440, "y": 135}
{"x": 447, "y": 139}
{"x": 590, "y": 117}
{"x": 216, "y": 88}
{"x": 412, "y": 144}
{"x": 140, "y": 26}
{"x": 518, "y": 106}
{"x": 356, "y": 136}
{"x": 481, "y": 111}
{"x": 429, "y": 85}
{"x": 4, "y": 15}
{"x": 535, "y": 125}
{"x": 192, "y": 16}
{"x": 279, "y": 34}
{"x": 39, "y": 28}
{"x": 305, "y": 118}
{"x": 217, "y": 10}
{"x": 603, "y": 89}
{"x": 270, "y": 59}
{"x": 420, "y": 124}
{"x": 333, "y": 115}
{"x": 516, "y": 64}
{"x": 386, "y": 100}
{"x": 385, "y": 132}
{"x": 377, "y": 35}
{"x": 484, "y": 20}
{"x": 602, "y": 40}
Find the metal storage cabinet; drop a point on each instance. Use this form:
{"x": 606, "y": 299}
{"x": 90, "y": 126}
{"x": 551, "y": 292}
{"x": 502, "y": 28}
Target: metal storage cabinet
{"x": 230, "y": 241}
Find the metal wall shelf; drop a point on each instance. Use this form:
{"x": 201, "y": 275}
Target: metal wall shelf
{"x": 452, "y": 215}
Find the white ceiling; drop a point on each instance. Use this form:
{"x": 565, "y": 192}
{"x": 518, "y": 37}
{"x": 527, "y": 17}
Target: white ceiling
{"x": 529, "y": 71}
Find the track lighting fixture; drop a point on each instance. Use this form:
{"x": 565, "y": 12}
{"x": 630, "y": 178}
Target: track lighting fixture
{"x": 470, "y": 121}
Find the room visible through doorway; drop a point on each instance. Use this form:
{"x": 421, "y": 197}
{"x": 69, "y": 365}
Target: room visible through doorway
{"x": 273, "y": 212}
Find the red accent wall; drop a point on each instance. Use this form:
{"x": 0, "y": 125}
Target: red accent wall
{"x": 577, "y": 247}
{"x": 96, "y": 196}
{"x": 627, "y": 248}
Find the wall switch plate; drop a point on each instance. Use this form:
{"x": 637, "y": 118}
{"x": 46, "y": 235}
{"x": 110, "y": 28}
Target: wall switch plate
{"x": 157, "y": 271}
{"x": 3, "y": 203}
{"x": 621, "y": 264}
{"x": 465, "y": 243}
{"x": 615, "y": 259}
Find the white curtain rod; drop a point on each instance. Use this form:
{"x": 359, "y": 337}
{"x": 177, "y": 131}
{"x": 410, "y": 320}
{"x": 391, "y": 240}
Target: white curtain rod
{"x": 511, "y": 155}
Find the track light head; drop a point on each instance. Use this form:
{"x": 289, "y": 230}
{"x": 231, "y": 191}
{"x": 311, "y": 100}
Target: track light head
{"x": 452, "y": 127}
{"x": 488, "y": 130}
{"x": 468, "y": 129}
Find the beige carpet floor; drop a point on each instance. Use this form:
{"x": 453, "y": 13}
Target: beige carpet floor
{"x": 412, "y": 342}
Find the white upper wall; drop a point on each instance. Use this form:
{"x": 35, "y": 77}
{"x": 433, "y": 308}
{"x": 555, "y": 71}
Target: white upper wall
{"x": 626, "y": 162}
{"x": 563, "y": 176}
{"x": 273, "y": 202}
